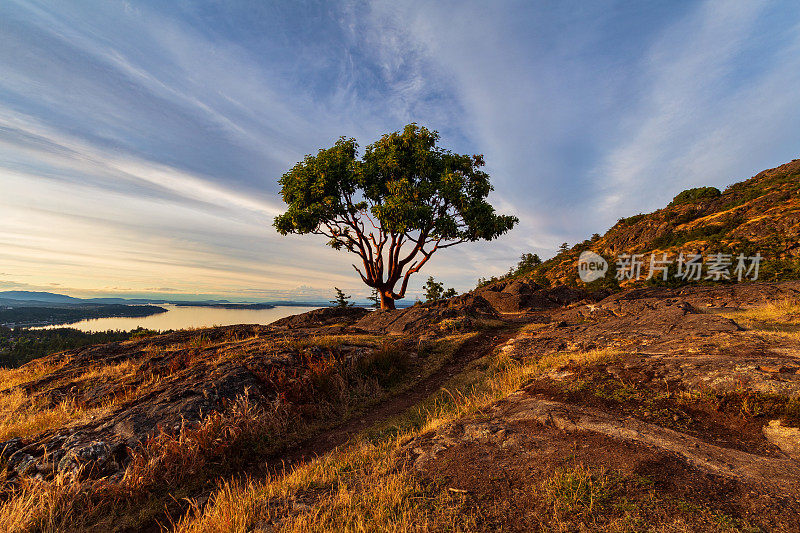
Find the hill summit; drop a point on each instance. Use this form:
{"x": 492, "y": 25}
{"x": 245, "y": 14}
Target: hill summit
{"x": 759, "y": 215}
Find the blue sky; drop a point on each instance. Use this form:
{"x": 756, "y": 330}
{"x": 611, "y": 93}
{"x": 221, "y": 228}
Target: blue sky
{"x": 141, "y": 142}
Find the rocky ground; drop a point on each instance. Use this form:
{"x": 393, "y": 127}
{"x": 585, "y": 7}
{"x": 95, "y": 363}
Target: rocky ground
{"x": 677, "y": 393}
{"x": 671, "y": 407}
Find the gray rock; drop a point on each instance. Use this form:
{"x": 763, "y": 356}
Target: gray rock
{"x": 10, "y": 447}
{"x": 92, "y": 456}
{"x": 22, "y": 463}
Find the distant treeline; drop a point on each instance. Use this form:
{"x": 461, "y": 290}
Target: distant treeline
{"x": 225, "y": 306}
{"x": 34, "y": 316}
{"x": 18, "y": 346}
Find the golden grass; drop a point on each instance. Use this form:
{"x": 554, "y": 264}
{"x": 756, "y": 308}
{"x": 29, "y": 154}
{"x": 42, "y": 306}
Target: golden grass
{"x": 782, "y": 316}
{"x": 21, "y": 416}
{"x": 47, "y": 507}
{"x": 111, "y": 372}
{"x": 171, "y": 461}
{"x": 361, "y": 487}
{"x": 11, "y": 377}
{"x": 332, "y": 341}
{"x": 24, "y": 416}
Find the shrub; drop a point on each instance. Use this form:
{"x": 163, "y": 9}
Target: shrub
{"x": 779, "y": 269}
{"x": 630, "y": 220}
{"x": 387, "y": 364}
{"x": 690, "y": 196}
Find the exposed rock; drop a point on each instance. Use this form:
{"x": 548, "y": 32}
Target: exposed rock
{"x": 420, "y": 318}
{"x": 777, "y": 474}
{"x": 9, "y": 447}
{"x": 322, "y": 317}
{"x": 91, "y": 458}
{"x": 22, "y": 463}
{"x": 522, "y": 295}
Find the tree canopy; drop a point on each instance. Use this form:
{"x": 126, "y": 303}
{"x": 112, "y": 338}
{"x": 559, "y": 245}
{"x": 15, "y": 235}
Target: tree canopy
{"x": 405, "y": 199}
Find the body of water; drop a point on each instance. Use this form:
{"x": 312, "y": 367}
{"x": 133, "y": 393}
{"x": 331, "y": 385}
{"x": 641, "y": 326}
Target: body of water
{"x": 187, "y": 317}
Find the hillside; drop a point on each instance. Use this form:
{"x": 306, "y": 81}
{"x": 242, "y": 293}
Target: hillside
{"x": 670, "y": 407}
{"x": 761, "y": 214}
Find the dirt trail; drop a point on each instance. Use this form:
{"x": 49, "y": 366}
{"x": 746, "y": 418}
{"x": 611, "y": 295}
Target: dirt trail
{"x": 473, "y": 349}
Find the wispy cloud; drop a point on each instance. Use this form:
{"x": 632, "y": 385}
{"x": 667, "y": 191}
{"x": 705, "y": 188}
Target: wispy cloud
{"x": 141, "y": 142}
{"x": 708, "y": 115}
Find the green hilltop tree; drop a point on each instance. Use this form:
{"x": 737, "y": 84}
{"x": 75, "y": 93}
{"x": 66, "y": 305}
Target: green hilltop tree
{"x": 433, "y": 290}
{"x": 528, "y": 261}
{"x": 405, "y": 199}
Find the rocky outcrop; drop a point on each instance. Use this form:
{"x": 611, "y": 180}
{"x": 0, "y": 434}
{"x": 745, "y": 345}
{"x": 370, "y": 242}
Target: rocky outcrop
{"x": 167, "y": 383}
{"x": 322, "y": 317}
{"x": 521, "y": 295}
{"x": 420, "y": 319}
{"x": 786, "y": 438}
{"x": 759, "y": 214}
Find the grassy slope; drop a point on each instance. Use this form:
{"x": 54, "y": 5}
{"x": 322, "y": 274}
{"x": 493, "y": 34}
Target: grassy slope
{"x": 170, "y": 467}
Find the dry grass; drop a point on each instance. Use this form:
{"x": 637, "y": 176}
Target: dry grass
{"x": 48, "y": 507}
{"x": 111, "y": 372}
{"x": 11, "y": 377}
{"x": 168, "y": 459}
{"x": 361, "y": 487}
{"x": 221, "y": 444}
{"x": 332, "y": 341}
{"x": 21, "y": 416}
{"x": 781, "y": 317}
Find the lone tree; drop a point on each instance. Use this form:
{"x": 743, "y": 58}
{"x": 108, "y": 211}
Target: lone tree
{"x": 394, "y": 207}
{"x": 341, "y": 300}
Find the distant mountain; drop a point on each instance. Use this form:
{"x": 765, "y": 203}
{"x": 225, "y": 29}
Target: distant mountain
{"x": 132, "y": 301}
{"x": 34, "y": 296}
{"x": 43, "y": 299}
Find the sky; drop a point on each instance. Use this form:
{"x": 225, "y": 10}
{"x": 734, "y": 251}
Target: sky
{"x": 141, "y": 142}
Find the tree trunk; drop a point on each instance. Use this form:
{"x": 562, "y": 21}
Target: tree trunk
{"x": 387, "y": 302}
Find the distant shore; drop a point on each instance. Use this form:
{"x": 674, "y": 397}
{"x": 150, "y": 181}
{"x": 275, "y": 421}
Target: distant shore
{"x": 52, "y": 316}
{"x": 225, "y": 306}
